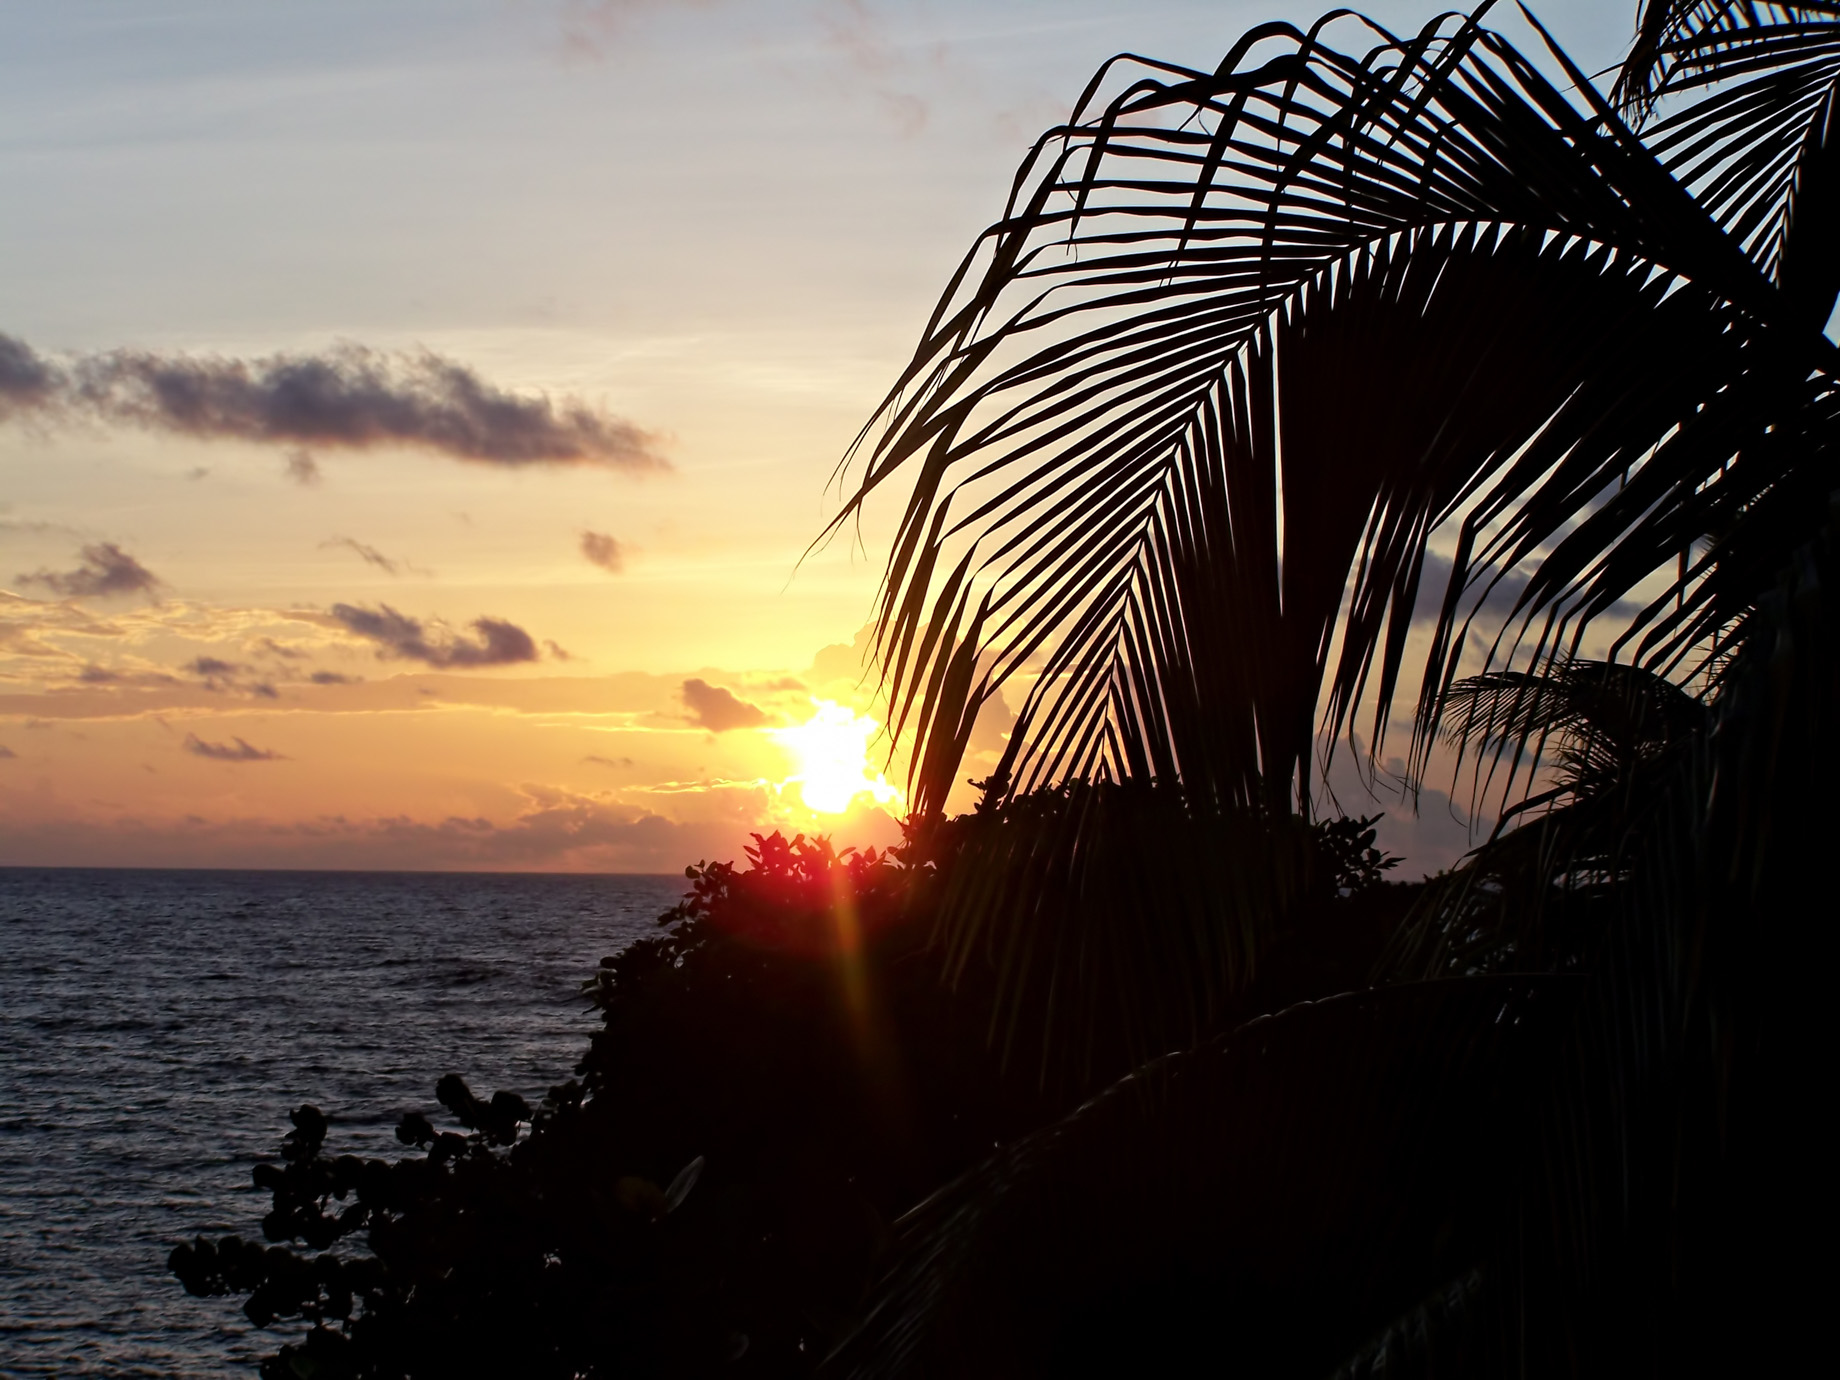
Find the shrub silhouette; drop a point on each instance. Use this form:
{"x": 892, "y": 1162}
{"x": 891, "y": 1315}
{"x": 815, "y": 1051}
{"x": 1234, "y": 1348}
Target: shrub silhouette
{"x": 778, "y": 1074}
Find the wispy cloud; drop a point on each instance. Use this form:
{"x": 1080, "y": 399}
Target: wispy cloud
{"x": 499, "y": 643}
{"x": 103, "y": 571}
{"x": 717, "y": 709}
{"x": 602, "y": 550}
{"x": 371, "y": 555}
{"x": 15, "y": 527}
{"x": 346, "y": 398}
{"x": 6, "y": 752}
{"x": 236, "y": 750}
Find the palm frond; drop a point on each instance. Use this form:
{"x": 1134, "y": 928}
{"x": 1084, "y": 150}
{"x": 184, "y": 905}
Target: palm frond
{"x": 1672, "y": 1143}
{"x": 1759, "y": 148}
{"x": 1186, "y": 421}
{"x": 1269, "y": 1200}
{"x": 1608, "y": 720}
{"x": 1115, "y": 921}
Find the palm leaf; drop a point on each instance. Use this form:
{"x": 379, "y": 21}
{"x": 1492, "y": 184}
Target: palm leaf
{"x": 1608, "y": 719}
{"x": 1759, "y": 151}
{"x": 1267, "y": 1201}
{"x": 1112, "y": 922}
{"x": 1188, "y": 418}
{"x": 1673, "y": 1140}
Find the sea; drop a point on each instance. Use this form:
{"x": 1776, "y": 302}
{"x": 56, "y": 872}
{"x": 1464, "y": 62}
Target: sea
{"x": 156, "y": 1027}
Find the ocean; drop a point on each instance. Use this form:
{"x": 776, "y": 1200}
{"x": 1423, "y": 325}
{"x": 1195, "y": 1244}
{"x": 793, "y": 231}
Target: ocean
{"x": 156, "y": 1027}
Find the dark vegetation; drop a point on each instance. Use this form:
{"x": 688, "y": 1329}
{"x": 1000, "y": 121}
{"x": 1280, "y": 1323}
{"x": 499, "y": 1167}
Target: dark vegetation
{"x": 779, "y": 1074}
{"x": 1143, "y": 1068}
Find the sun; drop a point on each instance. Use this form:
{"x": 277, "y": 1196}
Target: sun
{"x": 830, "y": 752}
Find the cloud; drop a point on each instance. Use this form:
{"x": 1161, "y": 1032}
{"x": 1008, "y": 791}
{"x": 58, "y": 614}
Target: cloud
{"x": 302, "y": 468}
{"x": 994, "y": 721}
{"x": 6, "y": 752}
{"x": 588, "y": 24}
{"x": 346, "y": 398}
{"x": 719, "y": 710}
{"x": 615, "y": 762}
{"x": 554, "y": 830}
{"x": 236, "y": 750}
{"x": 15, "y": 527}
{"x": 399, "y": 636}
{"x": 28, "y": 382}
{"x": 93, "y": 674}
{"x": 369, "y": 554}
{"x": 103, "y": 571}
{"x": 557, "y": 650}
{"x": 850, "y": 661}
{"x": 602, "y": 550}
{"x": 218, "y": 674}
{"x": 331, "y": 678}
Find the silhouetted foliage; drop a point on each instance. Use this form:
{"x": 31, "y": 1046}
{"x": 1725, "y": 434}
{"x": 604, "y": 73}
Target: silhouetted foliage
{"x": 778, "y": 1075}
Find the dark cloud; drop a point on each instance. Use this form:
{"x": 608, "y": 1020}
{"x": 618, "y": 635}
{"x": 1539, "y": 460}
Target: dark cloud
{"x": 302, "y": 468}
{"x": 719, "y": 710}
{"x": 608, "y": 761}
{"x": 219, "y": 674}
{"x": 367, "y": 553}
{"x": 236, "y": 750}
{"x": 1491, "y": 611}
{"x": 103, "y": 570}
{"x": 397, "y": 635}
{"x": 602, "y": 550}
{"x": 347, "y": 398}
{"x": 6, "y": 752}
{"x": 281, "y": 649}
{"x": 93, "y": 674}
{"x": 557, "y": 650}
{"x": 28, "y": 381}
{"x": 331, "y": 678}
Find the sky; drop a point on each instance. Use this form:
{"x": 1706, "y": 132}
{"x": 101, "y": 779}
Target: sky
{"x": 415, "y": 415}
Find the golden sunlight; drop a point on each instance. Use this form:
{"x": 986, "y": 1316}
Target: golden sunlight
{"x": 831, "y": 753}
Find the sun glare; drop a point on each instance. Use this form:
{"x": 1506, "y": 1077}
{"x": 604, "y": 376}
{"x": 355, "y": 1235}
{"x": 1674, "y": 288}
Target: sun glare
{"x": 830, "y": 752}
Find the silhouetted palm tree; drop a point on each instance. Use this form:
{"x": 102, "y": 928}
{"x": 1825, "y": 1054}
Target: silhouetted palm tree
{"x": 1250, "y": 354}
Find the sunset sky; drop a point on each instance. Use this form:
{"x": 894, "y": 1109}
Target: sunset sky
{"x": 413, "y": 413}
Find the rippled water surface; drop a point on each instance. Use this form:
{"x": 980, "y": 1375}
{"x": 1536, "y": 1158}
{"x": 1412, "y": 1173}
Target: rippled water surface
{"x": 156, "y": 1027}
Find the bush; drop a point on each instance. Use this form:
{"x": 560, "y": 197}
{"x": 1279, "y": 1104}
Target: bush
{"x": 779, "y": 1073}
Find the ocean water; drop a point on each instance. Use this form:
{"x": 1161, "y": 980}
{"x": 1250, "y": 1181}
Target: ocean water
{"x": 157, "y": 1027}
